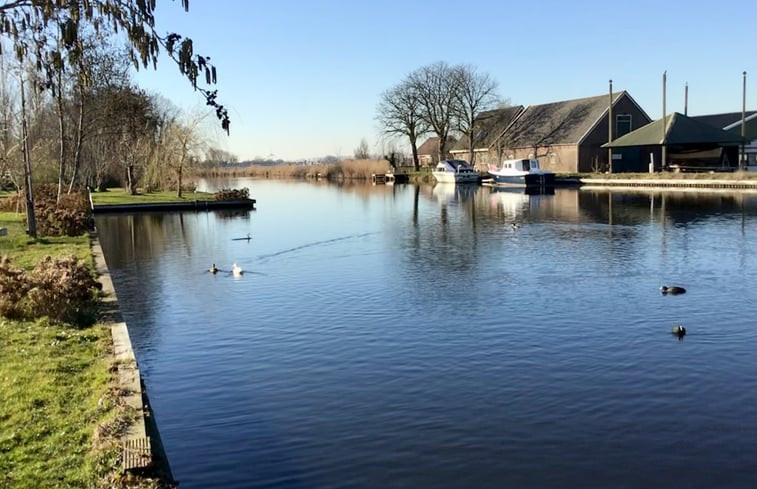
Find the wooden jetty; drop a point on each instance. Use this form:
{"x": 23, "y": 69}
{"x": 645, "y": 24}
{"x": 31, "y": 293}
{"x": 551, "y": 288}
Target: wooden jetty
{"x": 389, "y": 178}
{"x": 192, "y": 205}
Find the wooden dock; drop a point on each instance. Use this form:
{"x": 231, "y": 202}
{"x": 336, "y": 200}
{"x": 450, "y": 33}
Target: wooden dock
{"x": 389, "y": 178}
{"x": 193, "y": 205}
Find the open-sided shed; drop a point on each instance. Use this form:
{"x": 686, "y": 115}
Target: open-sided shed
{"x": 689, "y": 144}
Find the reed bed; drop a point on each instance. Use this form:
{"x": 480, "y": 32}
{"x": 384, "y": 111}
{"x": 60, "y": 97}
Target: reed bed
{"x": 343, "y": 170}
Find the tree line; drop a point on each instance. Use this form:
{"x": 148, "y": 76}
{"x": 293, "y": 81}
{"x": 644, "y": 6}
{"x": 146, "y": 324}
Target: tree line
{"x": 437, "y": 99}
{"x": 69, "y": 111}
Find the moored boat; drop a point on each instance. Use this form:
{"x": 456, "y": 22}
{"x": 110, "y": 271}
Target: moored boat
{"x": 522, "y": 173}
{"x": 455, "y": 171}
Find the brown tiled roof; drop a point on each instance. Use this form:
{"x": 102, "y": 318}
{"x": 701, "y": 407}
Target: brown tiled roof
{"x": 489, "y": 125}
{"x": 430, "y": 147}
{"x": 565, "y": 122}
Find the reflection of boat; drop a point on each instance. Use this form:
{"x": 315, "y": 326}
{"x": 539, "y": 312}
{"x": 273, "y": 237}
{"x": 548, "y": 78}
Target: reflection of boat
{"x": 511, "y": 200}
{"x": 446, "y": 194}
{"x": 523, "y": 173}
{"x": 454, "y": 171}
{"x": 514, "y": 202}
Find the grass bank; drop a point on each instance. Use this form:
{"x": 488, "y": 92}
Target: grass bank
{"x": 61, "y": 416}
{"x": 120, "y": 196}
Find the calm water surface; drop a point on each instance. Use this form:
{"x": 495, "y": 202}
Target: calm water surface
{"x": 413, "y": 337}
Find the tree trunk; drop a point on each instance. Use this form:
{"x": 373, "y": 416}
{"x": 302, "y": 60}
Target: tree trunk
{"x": 442, "y": 147}
{"x": 30, "y": 217}
{"x": 62, "y": 136}
{"x": 470, "y": 149}
{"x": 414, "y": 148}
{"x": 178, "y": 190}
{"x": 79, "y": 139}
{"x": 131, "y": 187}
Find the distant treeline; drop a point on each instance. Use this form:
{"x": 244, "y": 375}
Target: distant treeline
{"x": 339, "y": 170}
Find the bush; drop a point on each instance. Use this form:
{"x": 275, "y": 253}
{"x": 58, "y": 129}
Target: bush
{"x": 13, "y": 203}
{"x": 64, "y": 290}
{"x": 69, "y": 217}
{"x": 233, "y": 194}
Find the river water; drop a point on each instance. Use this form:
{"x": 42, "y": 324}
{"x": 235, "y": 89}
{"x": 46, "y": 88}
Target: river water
{"x": 448, "y": 337}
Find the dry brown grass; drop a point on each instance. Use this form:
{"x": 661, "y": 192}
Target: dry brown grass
{"x": 343, "y": 170}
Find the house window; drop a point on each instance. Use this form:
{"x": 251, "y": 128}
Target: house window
{"x": 622, "y": 124}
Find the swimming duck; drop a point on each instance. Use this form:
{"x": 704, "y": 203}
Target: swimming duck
{"x": 679, "y": 331}
{"x": 236, "y": 270}
{"x": 213, "y": 268}
{"x": 673, "y": 290}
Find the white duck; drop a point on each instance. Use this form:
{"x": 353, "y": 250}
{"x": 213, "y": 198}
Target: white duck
{"x": 236, "y": 270}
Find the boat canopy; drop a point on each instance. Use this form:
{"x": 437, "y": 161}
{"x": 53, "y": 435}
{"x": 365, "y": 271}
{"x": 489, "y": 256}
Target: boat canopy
{"x": 453, "y": 165}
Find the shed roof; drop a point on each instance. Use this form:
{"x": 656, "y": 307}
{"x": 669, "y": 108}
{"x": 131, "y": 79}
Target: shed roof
{"x": 680, "y": 129}
{"x": 721, "y": 121}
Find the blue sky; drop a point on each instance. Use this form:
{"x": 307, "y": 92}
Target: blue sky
{"x": 302, "y": 79}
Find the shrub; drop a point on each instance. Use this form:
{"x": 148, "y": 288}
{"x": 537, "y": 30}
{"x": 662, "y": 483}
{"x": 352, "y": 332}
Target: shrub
{"x": 61, "y": 289}
{"x": 69, "y": 217}
{"x": 233, "y": 194}
{"x": 13, "y": 203}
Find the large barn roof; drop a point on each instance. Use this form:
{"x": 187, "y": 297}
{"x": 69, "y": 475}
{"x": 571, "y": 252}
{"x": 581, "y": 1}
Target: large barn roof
{"x": 565, "y": 122}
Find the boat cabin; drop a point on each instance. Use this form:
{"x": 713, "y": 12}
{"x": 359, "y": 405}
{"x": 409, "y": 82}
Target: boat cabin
{"x": 520, "y": 165}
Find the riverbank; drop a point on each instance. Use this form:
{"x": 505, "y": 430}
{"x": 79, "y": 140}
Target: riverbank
{"x": 63, "y": 412}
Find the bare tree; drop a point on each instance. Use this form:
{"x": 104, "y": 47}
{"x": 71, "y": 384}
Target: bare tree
{"x": 362, "y": 152}
{"x": 184, "y": 146}
{"x": 436, "y": 88}
{"x": 131, "y": 124}
{"x": 474, "y": 93}
{"x": 399, "y": 114}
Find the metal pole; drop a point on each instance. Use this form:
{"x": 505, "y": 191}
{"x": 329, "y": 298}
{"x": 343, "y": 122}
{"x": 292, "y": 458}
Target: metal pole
{"x": 609, "y": 132}
{"x": 664, "y": 120}
{"x": 686, "y": 100}
{"x": 742, "y": 161}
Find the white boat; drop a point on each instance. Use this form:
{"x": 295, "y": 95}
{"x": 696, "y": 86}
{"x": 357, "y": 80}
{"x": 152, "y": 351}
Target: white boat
{"x": 454, "y": 171}
{"x": 522, "y": 173}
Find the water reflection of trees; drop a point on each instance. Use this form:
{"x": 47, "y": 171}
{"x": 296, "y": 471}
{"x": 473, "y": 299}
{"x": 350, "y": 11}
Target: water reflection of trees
{"x": 243, "y": 214}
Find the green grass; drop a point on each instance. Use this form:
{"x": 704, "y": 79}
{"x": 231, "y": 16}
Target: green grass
{"x": 26, "y": 252}
{"x": 54, "y": 383}
{"x": 120, "y": 196}
{"x": 59, "y": 418}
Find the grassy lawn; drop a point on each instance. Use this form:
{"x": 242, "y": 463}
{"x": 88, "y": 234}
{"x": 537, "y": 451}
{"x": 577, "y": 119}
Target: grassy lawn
{"x": 120, "y": 196}
{"x": 27, "y": 252}
{"x": 60, "y": 418}
{"x": 54, "y": 382}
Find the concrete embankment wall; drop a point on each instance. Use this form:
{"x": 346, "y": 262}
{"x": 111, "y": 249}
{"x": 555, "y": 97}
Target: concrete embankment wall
{"x": 142, "y": 448}
{"x": 703, "y": 183}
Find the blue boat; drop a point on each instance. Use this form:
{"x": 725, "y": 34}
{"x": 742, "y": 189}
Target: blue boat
{"x": 521, "y": 173}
